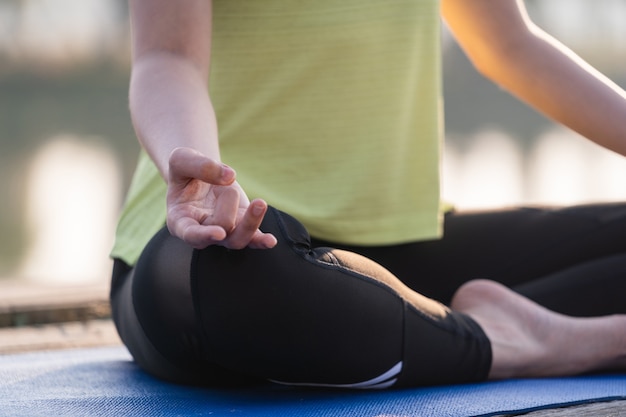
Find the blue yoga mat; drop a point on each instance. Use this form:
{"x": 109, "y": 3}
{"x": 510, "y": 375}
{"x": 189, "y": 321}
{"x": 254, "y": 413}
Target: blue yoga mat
{"x": 105, "y": 382}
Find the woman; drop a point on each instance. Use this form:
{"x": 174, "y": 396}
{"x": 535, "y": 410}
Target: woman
{"x": 330, "y": 111}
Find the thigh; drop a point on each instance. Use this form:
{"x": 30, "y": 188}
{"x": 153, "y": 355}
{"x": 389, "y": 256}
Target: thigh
{"x": 294, "y": 314}
{"x": 513, "y": 246}
{"x": 308, "y": 315}
{"x": 153, "y": 311}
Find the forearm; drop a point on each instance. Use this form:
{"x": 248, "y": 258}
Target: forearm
{"x": 555, "y": 81}
{"x": 170, "y": 108}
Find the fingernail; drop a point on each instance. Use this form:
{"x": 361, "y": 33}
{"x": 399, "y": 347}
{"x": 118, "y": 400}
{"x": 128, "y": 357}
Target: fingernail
{"x": 227, "y": 172}
{"x": 257, "y": 209}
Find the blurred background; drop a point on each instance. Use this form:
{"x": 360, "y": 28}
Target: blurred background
{"x": 67, "y": 147}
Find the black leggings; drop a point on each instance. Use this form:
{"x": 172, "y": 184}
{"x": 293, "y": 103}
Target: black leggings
{"x": 303, "y": 313}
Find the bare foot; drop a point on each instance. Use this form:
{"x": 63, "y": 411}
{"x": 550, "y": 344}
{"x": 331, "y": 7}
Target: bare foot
{"x": 528, "y": 340}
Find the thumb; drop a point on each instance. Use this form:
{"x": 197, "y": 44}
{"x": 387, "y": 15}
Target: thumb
{"x": 187, "y": 163}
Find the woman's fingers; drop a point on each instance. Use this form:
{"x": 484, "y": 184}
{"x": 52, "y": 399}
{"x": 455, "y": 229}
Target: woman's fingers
{"x": 186, "y": 163}
{"x": 204, "y": 221}
{"x": 205, "y": 205}
{"x": 263, "y": 241}
{"x": 226, "y": 210}
{"x": 244, "y": 233}
{"x": 247, "y": 233}
{"x": 196, "y": 235}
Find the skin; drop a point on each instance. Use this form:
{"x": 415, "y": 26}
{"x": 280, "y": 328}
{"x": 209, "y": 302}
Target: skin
{"x": 528, "y": 340}
{"x": 507, "y": 48}
{"x": 175, "y": 122}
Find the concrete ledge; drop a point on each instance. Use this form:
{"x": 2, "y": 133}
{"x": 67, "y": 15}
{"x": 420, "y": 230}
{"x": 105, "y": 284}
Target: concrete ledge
{"x": 27, "y": 304}
{"x": 43, "y": 317}
{"x": 58, "y": 336}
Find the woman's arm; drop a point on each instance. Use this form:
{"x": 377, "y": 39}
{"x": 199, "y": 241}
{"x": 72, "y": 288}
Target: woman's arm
{"x": 169, "y": 103}
{"x": 506, "y": 47}
{"x": 175, "y": 123}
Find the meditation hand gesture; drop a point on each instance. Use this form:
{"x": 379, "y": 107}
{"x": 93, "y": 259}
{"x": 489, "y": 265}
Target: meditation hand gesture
{"x": 206, "y": 206}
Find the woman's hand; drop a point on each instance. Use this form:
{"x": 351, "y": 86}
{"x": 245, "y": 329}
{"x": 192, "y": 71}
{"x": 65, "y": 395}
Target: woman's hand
{"x": 206, "y": 206}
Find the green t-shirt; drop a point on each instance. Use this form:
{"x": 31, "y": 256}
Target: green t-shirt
{"x": 329, "y": 110}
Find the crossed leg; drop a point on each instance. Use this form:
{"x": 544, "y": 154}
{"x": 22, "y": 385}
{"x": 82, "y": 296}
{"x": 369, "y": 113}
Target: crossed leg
{"x": 206, "y": 311}
{"x": 570, "y": 260}
{"x": 528, "y": 340}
